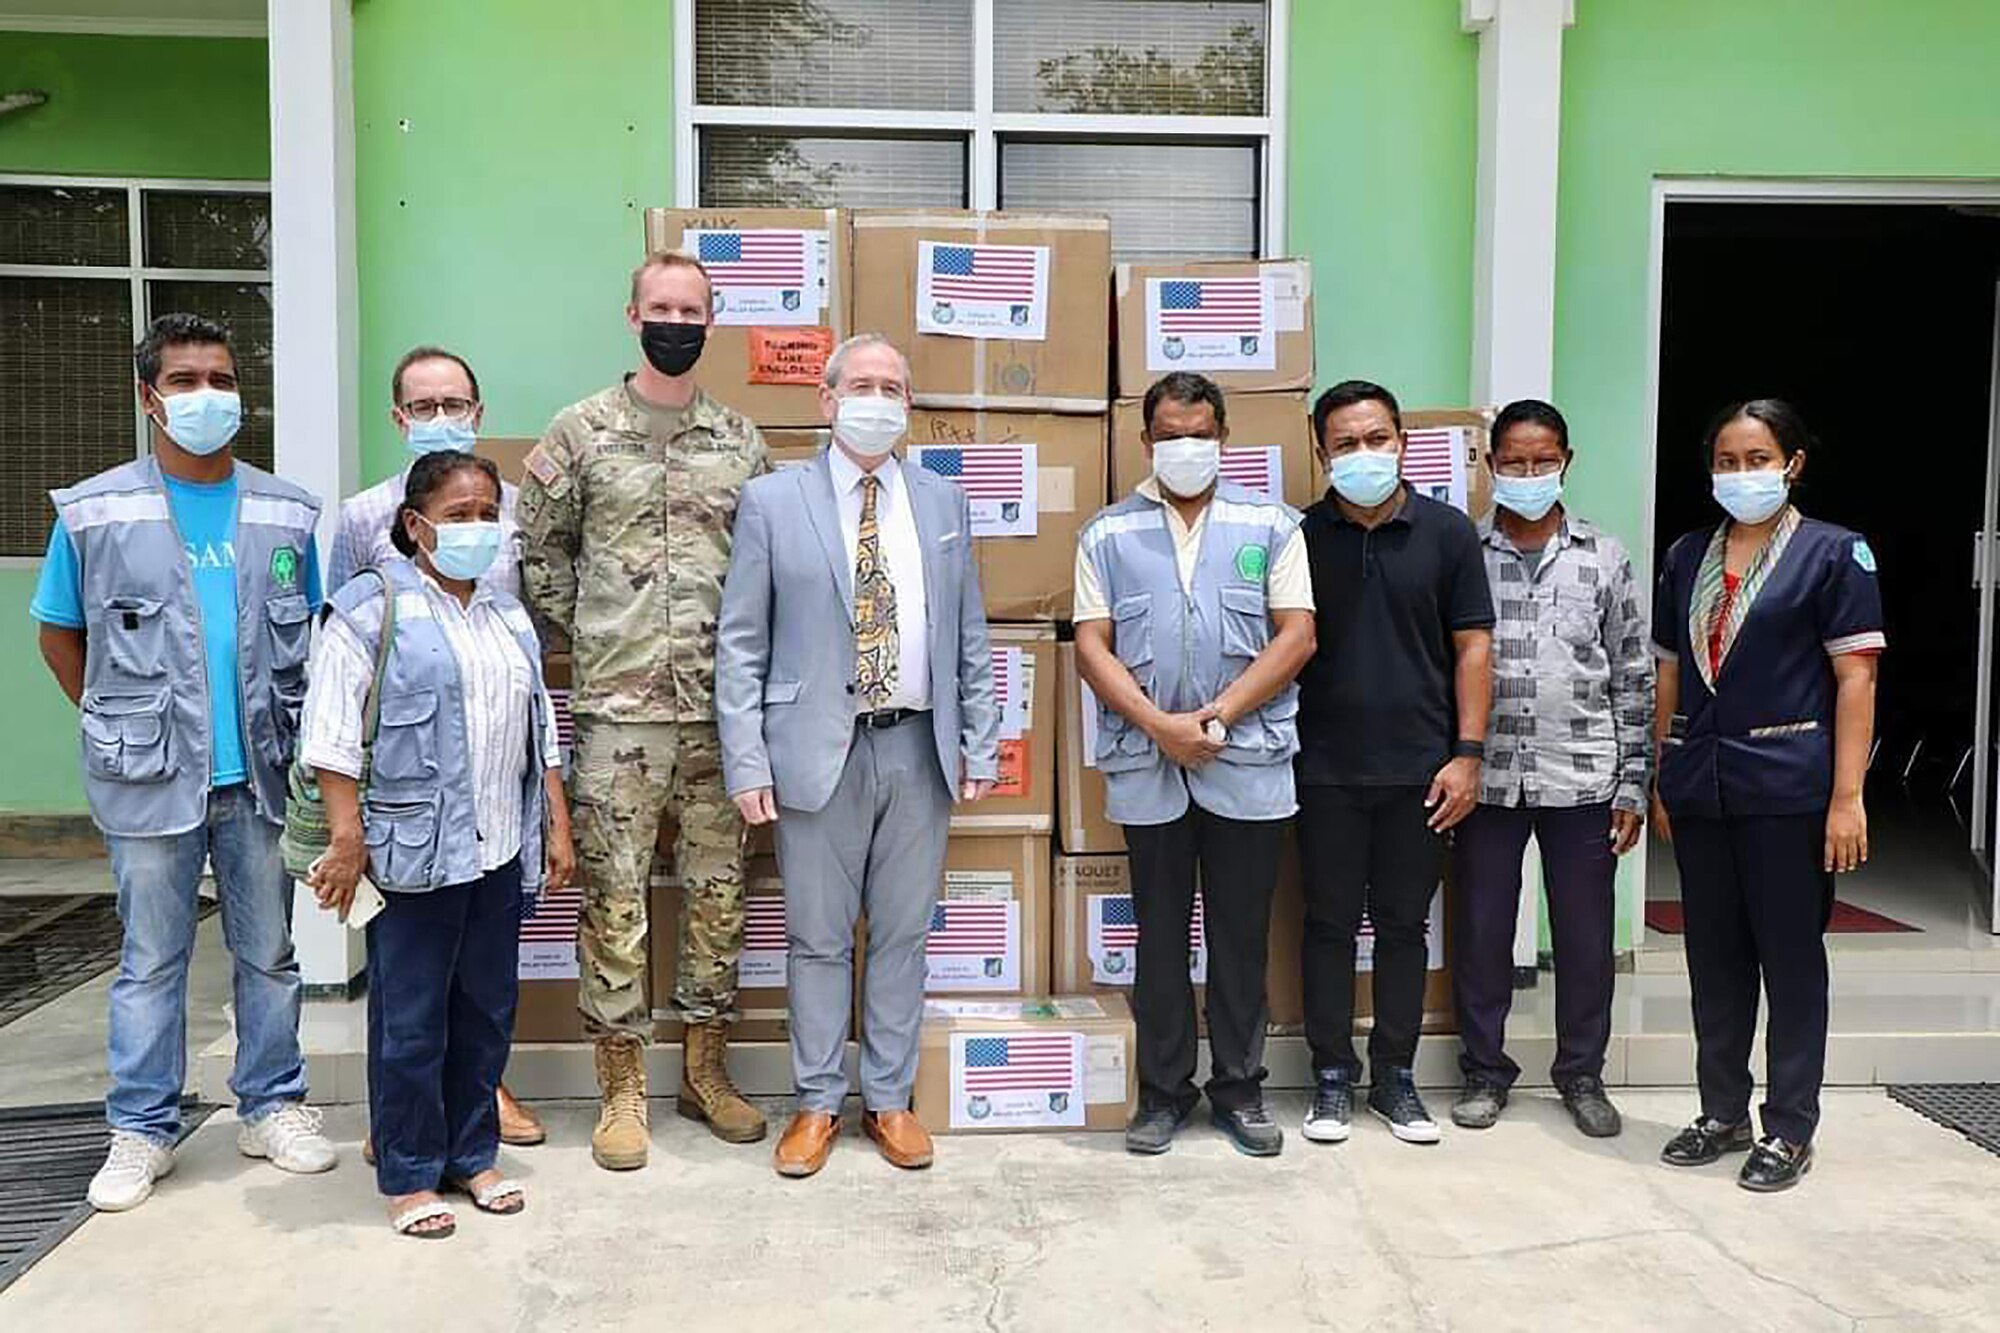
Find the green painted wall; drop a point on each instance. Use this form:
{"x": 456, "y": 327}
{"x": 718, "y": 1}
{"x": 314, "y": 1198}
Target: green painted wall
{"x": 117, "y": 107}
{"x": 1383, "y": 143}
{"x": 505, "y": 150}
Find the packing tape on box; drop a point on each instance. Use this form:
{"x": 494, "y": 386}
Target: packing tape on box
{"x": 982, "y": 402}
{"x": 1007, "y": 221}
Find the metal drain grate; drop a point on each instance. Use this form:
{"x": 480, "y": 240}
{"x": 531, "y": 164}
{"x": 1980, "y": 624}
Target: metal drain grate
{"x": 47, "y": 1157}
{"x": 1973, "y": 1109}
{"x": 51, "y": 944}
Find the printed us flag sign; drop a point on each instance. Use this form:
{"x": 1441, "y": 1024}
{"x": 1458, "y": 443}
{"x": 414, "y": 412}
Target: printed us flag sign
{"x": 1257, "y": 467}
{"x": 973, "y": 946}
{"x": 548, "y": 938}
{"x": 1010, "y": 691}
{"x": 999, "y": 481}
{"x": 1434, "y": 464}
{"x": 1209, "y": 324}
{"x": 765, "y": 951}
{"x": 763, "y": 275}
{"x": 969, "y": 289}
{"x": 1364, "y": 939}
{"x": 1113, "y": 940}
{"x": 1016, "y": 1080}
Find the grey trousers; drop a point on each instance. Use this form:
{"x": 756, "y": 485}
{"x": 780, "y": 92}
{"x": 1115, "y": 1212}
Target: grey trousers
{"x": 877, "y": 847}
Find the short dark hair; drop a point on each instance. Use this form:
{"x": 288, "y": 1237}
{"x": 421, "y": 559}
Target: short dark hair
{"x": 1787, "y": 427}
{"x": 1346, "y": 394}
{"x": 1184, "y": 386}
{"x": 428, "y": 353}
{"x": 427, "y": 474}
{"x": 1528, "y": 412}
{"x": 177, "y": 330}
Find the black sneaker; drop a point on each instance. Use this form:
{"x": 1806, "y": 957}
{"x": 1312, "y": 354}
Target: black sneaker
{"x": 1706, "y": 1141}
{"x": 1152, "y": 1129}
{"x": 1251, "y": 1129}
{"x": 1591, "y": 1108}
{"x": 1332, "y": 1109}
{"x": 1775, "y": 1164}
{"x": 1479, "y": 1105}
{"x": 1394, "y": 1100}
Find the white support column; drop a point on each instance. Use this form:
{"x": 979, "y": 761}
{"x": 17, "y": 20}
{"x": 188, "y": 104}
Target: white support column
{"x": 316, "y": 328}
{"x": 1514, "y": 261}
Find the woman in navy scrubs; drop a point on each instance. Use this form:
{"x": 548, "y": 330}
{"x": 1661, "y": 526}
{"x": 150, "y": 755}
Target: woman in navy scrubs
{"x": 1767, "y": 627}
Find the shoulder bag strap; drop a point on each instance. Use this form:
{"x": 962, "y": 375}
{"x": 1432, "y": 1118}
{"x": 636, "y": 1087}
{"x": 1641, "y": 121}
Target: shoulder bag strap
{"x": 371, "y": 710}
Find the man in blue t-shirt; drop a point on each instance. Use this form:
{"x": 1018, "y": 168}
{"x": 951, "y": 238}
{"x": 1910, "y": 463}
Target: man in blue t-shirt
{"x": 117, "y": 631}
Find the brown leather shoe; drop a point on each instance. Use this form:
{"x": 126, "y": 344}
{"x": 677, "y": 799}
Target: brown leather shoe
{"x": 806, "y": 1144}
{"x": 519, "y": 1127}
{"x": 903, "y": 1141}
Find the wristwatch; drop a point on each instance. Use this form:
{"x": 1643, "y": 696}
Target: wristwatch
{"x": 1463, "y": 749}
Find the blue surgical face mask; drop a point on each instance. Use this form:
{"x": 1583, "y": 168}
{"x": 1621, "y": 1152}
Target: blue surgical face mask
{"x": 1365, "y": 477}
{"x": 464, "y": 550}
{"x": 1530, "y": 497}
{"x": 440, "y": 433}
{"x": 203, "y": 421}
{"x": 1752, "y": 497}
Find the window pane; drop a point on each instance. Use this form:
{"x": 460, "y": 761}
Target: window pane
{"x": 185, "y": 230}
{"x": 1166, "y": 200}
{"x": 904, "y": 54}
{"x": 1130, "y": 57}
{"x": 752, "y": 169}
{"x": 245, "y": 310}
{"x": 44, "y": 225}
{"x": 67, "y": 408}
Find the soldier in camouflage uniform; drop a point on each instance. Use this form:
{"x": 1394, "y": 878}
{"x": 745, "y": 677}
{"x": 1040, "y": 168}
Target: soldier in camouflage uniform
{"x": 625, "y": 513}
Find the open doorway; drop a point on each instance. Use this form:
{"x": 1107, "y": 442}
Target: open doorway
{"x": 1877, "y": 320}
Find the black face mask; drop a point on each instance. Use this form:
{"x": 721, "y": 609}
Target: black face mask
{"x": 672, "y": 348}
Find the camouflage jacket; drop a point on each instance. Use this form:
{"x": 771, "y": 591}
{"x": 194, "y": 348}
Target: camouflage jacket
{"x": 625, "y": 541}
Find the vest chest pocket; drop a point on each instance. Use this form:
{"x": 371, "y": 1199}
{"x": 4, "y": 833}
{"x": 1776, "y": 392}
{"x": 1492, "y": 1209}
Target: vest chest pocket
{"x": 1132, "y": 635}
{"x": 291, "y": 631}
{"x": 402, "y": 843}
{"x": 125, "y": 737}
{"x": 135, "y": 636}
{"x": 1246, "y": 622}
{"x": 406, "y": 744}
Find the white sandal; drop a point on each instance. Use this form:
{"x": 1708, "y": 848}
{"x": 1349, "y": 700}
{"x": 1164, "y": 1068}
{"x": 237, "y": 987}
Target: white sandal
{"x": 406, "y": 1221}
{"x": 488, "y": 1199}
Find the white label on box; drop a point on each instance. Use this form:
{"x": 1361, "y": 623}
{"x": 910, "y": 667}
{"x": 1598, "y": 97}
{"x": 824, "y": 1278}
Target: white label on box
{"x": 765, "y": 950}
{"x": 1000, "y": 481}
{"x": 979, "y": 886}
{"x": 1077, "y": 1006}
{"x": 1260, "y": 467}
{"x": 1197, "y": 323}
{"x": 1434, "y": 464}
{"x": 1104, "y": 1061}
{"x": 1087, "y": 710}
{"x": 1112, "y": 928}
{"x": 773, "y": 276}
{"x": 1055, "y": 490}
{"x": 1010, "y": 693}
{"x": 1024, "y": 1079}
{"x": 1364, "y": 938}
{"x": 970, "y": 289}
{"x": 973, "y": 946}
{"x": 548, "y": 938}
{"x": 1290, "y": 291}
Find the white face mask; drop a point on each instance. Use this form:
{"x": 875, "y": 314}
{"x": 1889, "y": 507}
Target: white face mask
{"x": 870, "y": 425}
{"x": 1186, "y": 464}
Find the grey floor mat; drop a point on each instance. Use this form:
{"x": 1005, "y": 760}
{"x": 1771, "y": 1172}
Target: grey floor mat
{"x": 1973, "y": 1109}
{"x": 52, "y": 943}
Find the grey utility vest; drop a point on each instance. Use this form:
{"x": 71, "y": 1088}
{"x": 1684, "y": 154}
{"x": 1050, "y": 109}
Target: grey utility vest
{"x": 1184, "y": 646}
{"x": 418, "y": 814}
{"x": 146, "y": 715}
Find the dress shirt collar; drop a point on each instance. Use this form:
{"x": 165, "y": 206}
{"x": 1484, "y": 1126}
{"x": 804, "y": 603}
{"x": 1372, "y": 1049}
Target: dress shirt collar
{"x": 847, "y": 474}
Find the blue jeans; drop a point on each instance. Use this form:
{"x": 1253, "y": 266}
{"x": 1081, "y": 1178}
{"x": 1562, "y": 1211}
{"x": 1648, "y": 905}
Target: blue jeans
{"x": 157, "y": 883}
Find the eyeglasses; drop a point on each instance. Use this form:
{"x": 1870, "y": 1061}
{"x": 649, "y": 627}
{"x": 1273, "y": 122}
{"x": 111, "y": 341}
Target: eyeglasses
{"x": 1521, "y": 468}
{"x": 426, "y": 409}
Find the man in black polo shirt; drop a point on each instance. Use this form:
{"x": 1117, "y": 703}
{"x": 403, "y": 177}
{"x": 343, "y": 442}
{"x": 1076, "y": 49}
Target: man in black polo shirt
{"x": 1392, "y": 720}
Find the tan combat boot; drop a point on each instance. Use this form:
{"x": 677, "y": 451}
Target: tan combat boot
{"x": 621, "y": 1139}
{"x": 706, "y": 1092}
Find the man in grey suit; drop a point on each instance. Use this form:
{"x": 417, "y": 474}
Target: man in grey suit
{"x": 854, "y": 695}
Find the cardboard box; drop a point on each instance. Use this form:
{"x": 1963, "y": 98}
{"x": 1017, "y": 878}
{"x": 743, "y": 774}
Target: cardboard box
{"x": 1024, "y": 577}
{"x": 1257, "y": 422}
{"x": 1280, "y": 358}
{"x": 1473, "y": 424}
{"x": 990, "y": 932}
{"x": 1084, "y": 1046}
{"x": 1092, "y": 955}
{"x": 792, "y": 445}
{"x": 1081, "y": 824}
{"x": 1065, "y": 370}
{"x": 769, "y": 367}
{"x": 508, "y": 453}
{"x": 1024, "y": 686}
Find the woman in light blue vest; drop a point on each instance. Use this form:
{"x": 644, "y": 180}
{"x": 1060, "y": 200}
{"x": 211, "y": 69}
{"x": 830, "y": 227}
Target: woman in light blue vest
{"x": 463, "y": 802}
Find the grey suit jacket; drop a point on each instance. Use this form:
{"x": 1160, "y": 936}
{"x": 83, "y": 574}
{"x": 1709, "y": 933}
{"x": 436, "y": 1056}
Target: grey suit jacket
{"x": 784, "y": 653}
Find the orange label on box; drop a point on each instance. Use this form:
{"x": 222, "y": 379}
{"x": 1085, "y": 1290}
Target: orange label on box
{"x": 1013, "y": 768}
{"x": 789, "y": 356}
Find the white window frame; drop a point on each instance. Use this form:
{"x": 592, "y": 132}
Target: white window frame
{"x": 984, "y": 127}
{"x": 135, "y": 271}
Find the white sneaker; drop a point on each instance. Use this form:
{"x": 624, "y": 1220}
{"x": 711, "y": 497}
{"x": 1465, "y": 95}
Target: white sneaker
{"x": 126, "y": 1178}
{"x": 290, "y": 1138}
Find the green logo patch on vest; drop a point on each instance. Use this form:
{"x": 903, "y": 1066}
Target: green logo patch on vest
{"x": 1251, "y": 561}
{"x": 285, "y": 567}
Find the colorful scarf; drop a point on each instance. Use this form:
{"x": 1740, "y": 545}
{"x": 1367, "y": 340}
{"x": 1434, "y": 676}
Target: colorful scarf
{"x": 1707, "y": 604}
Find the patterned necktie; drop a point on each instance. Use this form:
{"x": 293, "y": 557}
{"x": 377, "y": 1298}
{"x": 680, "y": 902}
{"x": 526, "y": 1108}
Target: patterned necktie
{"x": 876, "y": 650}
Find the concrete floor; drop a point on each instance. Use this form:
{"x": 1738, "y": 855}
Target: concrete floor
{"x": 1526, "y": 1227}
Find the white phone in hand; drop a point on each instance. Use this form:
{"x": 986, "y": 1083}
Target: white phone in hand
{"x": 367, "y": 905}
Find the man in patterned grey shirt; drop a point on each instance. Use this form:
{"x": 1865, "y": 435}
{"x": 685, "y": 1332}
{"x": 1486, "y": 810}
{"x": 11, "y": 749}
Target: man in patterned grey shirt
{"x": 1568, "y": 759}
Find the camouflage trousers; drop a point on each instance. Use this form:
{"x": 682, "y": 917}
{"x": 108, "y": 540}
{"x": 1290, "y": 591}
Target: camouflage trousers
{"x": 628, "y": 778}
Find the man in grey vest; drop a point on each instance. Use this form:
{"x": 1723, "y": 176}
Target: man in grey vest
{"x": 176, "y": 608}
{"x": 1194, "y": 611}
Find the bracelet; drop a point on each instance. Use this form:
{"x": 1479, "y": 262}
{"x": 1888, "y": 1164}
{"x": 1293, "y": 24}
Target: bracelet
{"x": 1462, "y": 749}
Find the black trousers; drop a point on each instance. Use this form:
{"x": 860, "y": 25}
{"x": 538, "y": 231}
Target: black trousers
{"x": 1756, "y": 898}
{"x": 1579, "y": 870}
{"x": 1366, "y": 847}
{"x": 1239, "y": 870}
